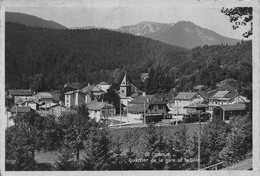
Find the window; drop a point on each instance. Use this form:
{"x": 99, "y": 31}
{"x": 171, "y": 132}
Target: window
{"x": 123, "y": 91}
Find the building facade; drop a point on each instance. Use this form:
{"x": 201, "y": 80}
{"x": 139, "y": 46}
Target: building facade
{"x": 183, "y": 99}
{"x": 74, "y": 98}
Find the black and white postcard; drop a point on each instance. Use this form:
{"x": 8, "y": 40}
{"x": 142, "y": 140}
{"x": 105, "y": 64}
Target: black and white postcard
{"x": 127, "y": 86}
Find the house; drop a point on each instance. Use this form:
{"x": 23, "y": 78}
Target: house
{"x": 152, "y": 108}
{"x": 74, "y": 98}
{"x": 97, "y": 92}
{"x": 20, "y": 95}
{"x": 183, "y": 99}
{"x": 226, "y": 111}
{"x": 104, "y": 86}
{"x": 88, "y": 93}
{"x": 100, "y": 110}
{"x": 226, "y": 97}
{"x": 44, "y": 97}
{"x": 52, "y": 109}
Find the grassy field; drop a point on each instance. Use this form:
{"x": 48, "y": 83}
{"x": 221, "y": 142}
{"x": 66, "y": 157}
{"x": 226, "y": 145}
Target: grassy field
{"x": 192, "y": 127}
{"x": 51, "y": 157}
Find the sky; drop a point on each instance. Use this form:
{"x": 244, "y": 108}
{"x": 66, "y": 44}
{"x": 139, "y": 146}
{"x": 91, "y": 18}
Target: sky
{"x": 115, "y": 13}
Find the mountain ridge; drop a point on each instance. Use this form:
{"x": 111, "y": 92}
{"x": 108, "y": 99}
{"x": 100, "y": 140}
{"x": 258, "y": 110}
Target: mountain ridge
{"x": 183, "y": 33}
{"x": 31, "y": 20}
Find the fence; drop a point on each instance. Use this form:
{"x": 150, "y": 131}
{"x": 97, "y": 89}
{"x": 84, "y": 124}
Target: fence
{"x": 216, "y": 166}
{"x": 223, "y": 164}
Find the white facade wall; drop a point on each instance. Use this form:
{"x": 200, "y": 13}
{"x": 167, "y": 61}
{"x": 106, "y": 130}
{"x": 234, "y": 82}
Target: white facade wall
{"x": 178, "y": 106}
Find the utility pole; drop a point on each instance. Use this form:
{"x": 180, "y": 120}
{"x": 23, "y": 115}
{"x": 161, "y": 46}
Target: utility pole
{"x": 120, "y": 114}
{"x": 144, "y": 113}
{"x": 177, "y": 113}
{"x": 112, "y": 114}
{"x": 199, "y": 142}
{"x": 127, "y": 112}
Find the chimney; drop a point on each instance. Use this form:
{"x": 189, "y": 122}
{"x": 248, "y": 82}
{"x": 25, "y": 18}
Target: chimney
{"x": 88, "y": 84}
{"x": 144, "y": 94}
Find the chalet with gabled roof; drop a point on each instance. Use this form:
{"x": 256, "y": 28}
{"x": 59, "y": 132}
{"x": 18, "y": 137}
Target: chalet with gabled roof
{"x": 20, "y": 95}
{"x": 226, "y": 97}
{"x": 183, "y": 99}
{"x": 104, "y": 86}
{"x": 152, "y": 109}
{"x": 100, "y": 110}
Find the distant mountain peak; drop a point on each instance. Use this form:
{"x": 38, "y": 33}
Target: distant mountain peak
{"x": 189, "y": 35}
{"x": 144, "y": 27}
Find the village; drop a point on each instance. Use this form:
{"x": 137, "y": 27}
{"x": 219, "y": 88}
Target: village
{"x": 136, "y": 107}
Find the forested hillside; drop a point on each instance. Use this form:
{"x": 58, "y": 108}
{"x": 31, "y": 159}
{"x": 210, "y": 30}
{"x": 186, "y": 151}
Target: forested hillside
{"x": 76, "y": 55}
{"x": 52, "y": 57}
{"x": 30, "y": 20}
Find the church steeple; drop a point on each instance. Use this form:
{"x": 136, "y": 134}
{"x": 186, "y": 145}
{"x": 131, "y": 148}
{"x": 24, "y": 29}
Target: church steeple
{"x": 125, "y": 81}
{"x": 125, "y": 88}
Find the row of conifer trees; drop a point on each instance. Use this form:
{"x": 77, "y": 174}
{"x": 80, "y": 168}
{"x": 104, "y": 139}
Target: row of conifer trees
{"x": 84, "y": 144}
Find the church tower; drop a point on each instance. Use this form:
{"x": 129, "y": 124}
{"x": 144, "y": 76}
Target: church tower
{"x": 125, "y": 88}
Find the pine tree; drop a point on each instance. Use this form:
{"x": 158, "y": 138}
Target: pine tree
{"x": 213, "y": 140}
{"x": 155, "y": 143}
{"x": 19, "y": 145}
{"x": 179, "y": 148}
{"x": 131, "y": 142}
{"x": 67, "y": 161}
{"x": 239, "y": 140}
{"x": 98, "y": 151}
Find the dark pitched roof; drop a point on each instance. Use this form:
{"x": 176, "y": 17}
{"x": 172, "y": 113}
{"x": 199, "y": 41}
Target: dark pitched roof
{"x": 211, "y": 93}
{"x": 141, "y": 99}
{"x": 44, "y": 95}
{"x": 20, "y": 109}
{"x": 134, "y": 88}
{"x": 224, "y": 95}
{"x": 135, "y": 95}
{"x": 88, "y": 89}
{"x": 20, "y": 92}
{"x": 220, "y": 94}
{"x": 227, "y": 87}
{"x": 94, "y": 105}
{"x": 56, "y": 95}
{"x": 204, "y": 94}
